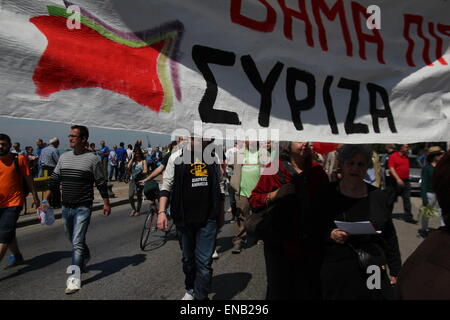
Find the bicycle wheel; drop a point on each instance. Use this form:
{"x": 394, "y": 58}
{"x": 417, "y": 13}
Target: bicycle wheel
{"x": 149, "y": 226}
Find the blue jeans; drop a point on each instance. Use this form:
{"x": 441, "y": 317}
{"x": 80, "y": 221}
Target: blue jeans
{"x": 113, "y": 170}
{"x": 76, "y": 222}
{"x": 40, "y": 171}
{"x": 405, "y": 193}
{"x": 197, "y": 245}
{"x": 121, "y": 169}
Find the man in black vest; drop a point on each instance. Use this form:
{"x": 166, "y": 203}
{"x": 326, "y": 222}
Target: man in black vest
{"x": 193, "y": 183}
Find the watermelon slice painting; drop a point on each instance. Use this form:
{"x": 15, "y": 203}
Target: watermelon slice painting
{"x": 141, "y": 66}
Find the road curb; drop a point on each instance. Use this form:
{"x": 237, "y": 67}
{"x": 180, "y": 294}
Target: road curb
{"x": 33, "y": 219}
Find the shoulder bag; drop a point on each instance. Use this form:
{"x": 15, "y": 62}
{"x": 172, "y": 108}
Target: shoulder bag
{"x": 259, "y": 223}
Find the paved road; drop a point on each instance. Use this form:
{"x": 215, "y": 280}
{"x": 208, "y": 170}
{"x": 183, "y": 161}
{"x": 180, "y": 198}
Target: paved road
{"x": 120, "y": 270}
{"x": 407, "y": 233}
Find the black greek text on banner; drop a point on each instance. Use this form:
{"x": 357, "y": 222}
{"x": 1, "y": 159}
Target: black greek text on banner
{"x": 361, "y": 71}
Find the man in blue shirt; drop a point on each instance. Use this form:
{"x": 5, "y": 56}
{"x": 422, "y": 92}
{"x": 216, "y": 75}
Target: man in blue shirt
{"x": 47, "y": 161}
{"x": 40, "y": 145}
{"x": 157, "y": 156}
{"x": 49, "y": 156}
{"x": 104, "y": 155}
{"x": 121, "y": 156}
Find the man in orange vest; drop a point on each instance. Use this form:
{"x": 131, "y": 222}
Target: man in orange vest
{"x": 14, "y": 172}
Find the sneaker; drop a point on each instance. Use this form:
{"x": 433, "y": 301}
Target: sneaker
{"x": 14, "y": 260}
{"x": 237, "y": 248}
{"x": 188, "y": 296}
{"x": 215, "y": 255}
{"x": 73, "y": 285}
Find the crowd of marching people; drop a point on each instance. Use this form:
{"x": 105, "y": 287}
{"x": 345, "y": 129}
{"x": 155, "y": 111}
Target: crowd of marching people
{"x": 117, "y": 163}
{"x": 287, "y": 195}
{"x": 43, "y": 158}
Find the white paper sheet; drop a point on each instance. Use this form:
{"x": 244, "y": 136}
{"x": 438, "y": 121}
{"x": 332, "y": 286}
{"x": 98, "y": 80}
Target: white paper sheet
{"x": 362, "y": 227}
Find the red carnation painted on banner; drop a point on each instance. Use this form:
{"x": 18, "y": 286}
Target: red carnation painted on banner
{"x": 134, "y": 65}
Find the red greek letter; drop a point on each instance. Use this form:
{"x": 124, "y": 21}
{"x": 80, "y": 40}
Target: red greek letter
{"x": 439, "y": 44}
{"x": 338, "y": 9}
{"x": 357, "y": 11}
{"x": 289, "y": 14}
{"x": 262, "y": 26}
{"x": 418, "y": 20}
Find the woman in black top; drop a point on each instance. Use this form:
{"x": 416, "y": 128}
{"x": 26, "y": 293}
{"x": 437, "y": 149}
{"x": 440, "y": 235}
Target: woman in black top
{"x": 352, "y": 200}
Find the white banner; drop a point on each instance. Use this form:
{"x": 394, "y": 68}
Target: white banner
{"x": 374, "y": 71}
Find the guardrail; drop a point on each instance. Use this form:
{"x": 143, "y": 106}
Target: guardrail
{"x": 41, "y": 185}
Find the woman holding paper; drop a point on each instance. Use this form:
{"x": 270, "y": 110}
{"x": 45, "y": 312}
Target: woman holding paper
{"x": 354, "y": 265}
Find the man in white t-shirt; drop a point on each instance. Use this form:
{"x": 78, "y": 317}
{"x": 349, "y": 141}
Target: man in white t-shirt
{"x": 113, "y": 168}
{"x": 129, "y": 152}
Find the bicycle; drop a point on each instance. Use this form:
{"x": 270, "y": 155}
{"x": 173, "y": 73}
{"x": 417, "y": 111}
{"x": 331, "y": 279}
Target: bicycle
{"x": 150, "y": 224}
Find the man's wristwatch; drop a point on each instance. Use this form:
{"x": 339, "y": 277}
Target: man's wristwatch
{"x": 165, "y": 212}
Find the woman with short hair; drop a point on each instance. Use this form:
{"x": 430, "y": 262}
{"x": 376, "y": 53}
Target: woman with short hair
{"x": 343, "y": 274}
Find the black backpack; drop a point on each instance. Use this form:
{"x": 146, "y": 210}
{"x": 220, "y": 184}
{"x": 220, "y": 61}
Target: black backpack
{"x": 25, "y": 189}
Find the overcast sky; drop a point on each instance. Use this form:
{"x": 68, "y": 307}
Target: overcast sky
{"x": 27, "y": 131}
